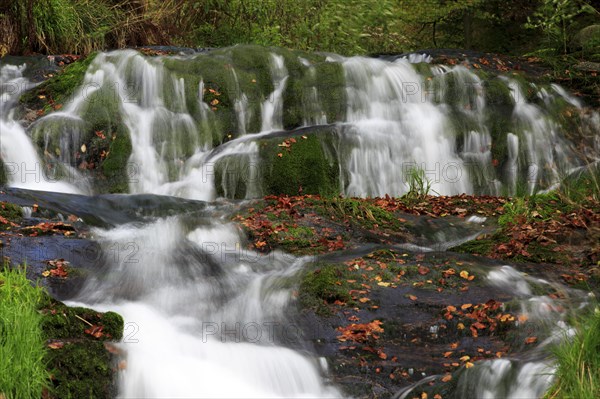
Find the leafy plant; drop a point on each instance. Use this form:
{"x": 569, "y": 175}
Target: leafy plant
{"x": 553, "y": 18}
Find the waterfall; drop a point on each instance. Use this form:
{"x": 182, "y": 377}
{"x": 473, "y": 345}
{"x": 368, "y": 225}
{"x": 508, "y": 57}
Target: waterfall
{"x": 23, "y": 166}
{"x": 209, "y": 315}
{"x": 466, "y": 134}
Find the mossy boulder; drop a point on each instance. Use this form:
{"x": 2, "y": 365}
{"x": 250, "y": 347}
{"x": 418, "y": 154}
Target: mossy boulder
{"x": 309, "y": 166}
{"x": 291, "y": 164}
{"x": 59, "y": 89}
{"x": 80, "y": 358}
{"x": 587, "y": 39}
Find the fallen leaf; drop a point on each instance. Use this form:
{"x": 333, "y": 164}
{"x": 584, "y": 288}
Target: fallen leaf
{"x": 447, "y": 377}
{"x": 530, "y": 340}
{"x": 412, "y": 297}
{"x": 56, "y": 345}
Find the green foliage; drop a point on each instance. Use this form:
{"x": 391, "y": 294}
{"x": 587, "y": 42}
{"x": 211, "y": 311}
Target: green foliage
{"x": 554, "y": 17}
{"x": 583, "y": 185}
{"x": 578, "y": 372}
{"x": 22, "y": 349}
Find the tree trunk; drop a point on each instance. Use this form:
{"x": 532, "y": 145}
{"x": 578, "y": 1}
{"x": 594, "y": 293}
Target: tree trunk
{"x": 468, "y": 29}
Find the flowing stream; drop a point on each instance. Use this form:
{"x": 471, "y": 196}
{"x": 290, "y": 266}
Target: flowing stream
{"x": 206, "y": 317}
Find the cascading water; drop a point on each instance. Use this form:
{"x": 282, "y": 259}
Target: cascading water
{"x": 208, "y": 314}
{"x": 22, "y": 164}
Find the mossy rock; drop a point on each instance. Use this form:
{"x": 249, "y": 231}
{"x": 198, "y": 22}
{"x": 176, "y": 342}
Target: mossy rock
{"x": 60, "y": 88}
{"x": 319, "y": 288}
{"x": 310, "y": 165}
{"x": 82, "y": 370}
{"x": 64, "y": 322}
{"x": 11, "y": 212}
{"x": 587, "y": 38}
{"x": 79, "y": 362}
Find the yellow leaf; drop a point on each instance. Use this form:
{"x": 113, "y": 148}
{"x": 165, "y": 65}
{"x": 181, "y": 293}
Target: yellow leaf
{"x": 460, "y": 326}
{"x": 46, "y": 273}
{"x": 466, "y": 306}
{"x": 464, "y": 274}
{"x": 465, "y": 358}
{"x": 469, "y": 365}
{"x": 383, "y": 284}
{"x": 363, "y": 300}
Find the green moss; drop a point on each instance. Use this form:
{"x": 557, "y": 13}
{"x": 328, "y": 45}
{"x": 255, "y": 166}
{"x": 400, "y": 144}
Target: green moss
{"x": 82, "y": 370}
{"x": 320, "y": 288}
{"x": 59, "y": 88}
{"x": 297, "y": 238}
{"x": 331, "y": 86}
{"x": 81, "y": 366}
{"x": 479, "y": 247}
{"x": 63, "y": 322}
{"x": 115, "y": 168}
{"x": 308, "y": 166}
{"x": 11, "y": 212}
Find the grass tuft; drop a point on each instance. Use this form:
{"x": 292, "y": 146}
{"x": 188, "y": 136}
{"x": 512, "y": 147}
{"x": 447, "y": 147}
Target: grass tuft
{"x": 22, "y": 350}
{"x": 578, "y": 372}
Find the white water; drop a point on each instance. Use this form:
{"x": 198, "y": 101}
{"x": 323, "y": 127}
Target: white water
{"x": 272, "y": 108}
{"x": 397, "y": 130}
{"x": 202, "y": 331}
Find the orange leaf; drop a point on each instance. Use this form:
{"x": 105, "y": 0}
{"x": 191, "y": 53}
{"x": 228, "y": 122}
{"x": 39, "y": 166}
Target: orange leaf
{"x": 447, "y": 354}
{"x": 447, "y": 377}
{"x": 412, "y": 297}
{"x": 466, "y": 306}
{"x": 530, "y": 340}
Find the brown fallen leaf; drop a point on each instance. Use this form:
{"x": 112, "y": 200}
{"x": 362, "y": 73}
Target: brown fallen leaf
{"x": 56, "y": 345}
